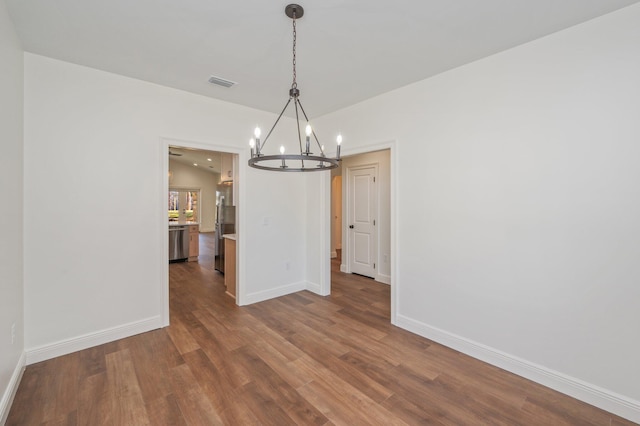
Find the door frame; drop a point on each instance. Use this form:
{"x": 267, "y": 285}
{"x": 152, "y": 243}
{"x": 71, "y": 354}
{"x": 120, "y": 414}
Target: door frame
{"x": 163, "y": 220}
{"x": 347, "y": 212}
{"x": 393, "y": 186}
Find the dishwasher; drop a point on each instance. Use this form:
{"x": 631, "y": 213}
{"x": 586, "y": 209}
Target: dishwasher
{"x": 178, "y": 243}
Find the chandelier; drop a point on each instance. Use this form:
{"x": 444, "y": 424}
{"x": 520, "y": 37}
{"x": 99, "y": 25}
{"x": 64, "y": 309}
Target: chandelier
{"x": 306, "y": 160}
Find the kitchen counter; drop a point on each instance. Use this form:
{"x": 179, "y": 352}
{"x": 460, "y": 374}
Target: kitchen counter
{"x": 230, "y": 236}
{"x": 175, "y": 223}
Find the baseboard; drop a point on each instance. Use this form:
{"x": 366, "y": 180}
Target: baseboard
{"x": 576, "y": 388}
{"x": 202, "y": 229}
{"x": 314, "y": 288}
{"x": 261, "y": 296}
{"x": 334, "y": 254}
{"x": 79, "y": 343}
{"x": 384, "y": 279}
{"x": 12, "y": 388}
{"x": 343, "y": 268}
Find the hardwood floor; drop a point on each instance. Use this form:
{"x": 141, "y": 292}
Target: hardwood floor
{"x": 299, "y": 359}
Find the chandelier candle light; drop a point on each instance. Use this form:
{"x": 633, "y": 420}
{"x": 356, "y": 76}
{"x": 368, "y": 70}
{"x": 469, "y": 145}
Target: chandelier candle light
{"x": 306, "y": 161}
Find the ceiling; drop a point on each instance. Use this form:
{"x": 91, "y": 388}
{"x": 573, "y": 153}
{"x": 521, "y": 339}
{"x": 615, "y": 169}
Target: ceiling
{"x": 209, "y": 161}
{"x": 348, "y": 51}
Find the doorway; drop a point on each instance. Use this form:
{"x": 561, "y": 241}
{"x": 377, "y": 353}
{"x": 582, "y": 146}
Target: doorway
{"x": 366, "y": 215}
{"x": 205, "y": 171}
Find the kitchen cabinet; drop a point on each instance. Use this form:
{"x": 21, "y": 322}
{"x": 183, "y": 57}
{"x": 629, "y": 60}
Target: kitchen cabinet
{"x": 230, "y": 264}
{"x": 226, "y": 168}
{"x": 194, "y": 242}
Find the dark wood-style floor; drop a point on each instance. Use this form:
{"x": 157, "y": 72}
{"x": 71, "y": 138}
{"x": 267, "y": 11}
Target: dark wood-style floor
{"x": 299, "y": 359}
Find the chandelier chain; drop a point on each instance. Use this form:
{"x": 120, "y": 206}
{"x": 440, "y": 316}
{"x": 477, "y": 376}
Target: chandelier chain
{"x": 294, "y": 85}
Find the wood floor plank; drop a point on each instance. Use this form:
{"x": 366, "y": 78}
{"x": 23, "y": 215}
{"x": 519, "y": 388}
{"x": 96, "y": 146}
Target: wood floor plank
{"x": 192, "y": 401}
{"x": 298, "y": 359}
{"x": 277, "y": 354}
{"x": 94, "y": 405}
{"x": 123, "y": 390}
{"x": 238, "y": 413}
{"x": 413, "y": 414}
{"x": 165, "y": 411}
{"x": 30, "y": 398}
{"x": 230, "y": 340}
{"x": 263, "y": 407}
{"x": 92, "y": 361}
{"x": 347, "y": 409}
{"x": 269, "y": 382}
{"x": 330, "y": 388}
{"x": 181, "y": 337}
{"x": 211, "y": 379}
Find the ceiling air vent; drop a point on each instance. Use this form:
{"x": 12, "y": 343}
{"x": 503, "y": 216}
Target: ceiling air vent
{"x": 221, "y": 81}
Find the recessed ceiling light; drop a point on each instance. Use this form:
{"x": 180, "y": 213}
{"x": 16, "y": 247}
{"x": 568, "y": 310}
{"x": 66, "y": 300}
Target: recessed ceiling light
{"x": 195, "y": 164}
{"x": 209, "y": 159}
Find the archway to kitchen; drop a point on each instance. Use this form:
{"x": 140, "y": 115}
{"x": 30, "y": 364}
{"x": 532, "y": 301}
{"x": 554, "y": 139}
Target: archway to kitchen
{"x": 201, "y": 191}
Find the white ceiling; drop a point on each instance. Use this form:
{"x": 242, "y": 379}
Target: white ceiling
{"x": 209, "y": 161}
{"x": 348, "y": 50}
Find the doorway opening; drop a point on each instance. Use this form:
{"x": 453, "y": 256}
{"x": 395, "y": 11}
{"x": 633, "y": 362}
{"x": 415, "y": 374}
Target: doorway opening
{"x": 365, "y": 215}
{"x": 361, "y": 216}
{"x": 200, "y": 191}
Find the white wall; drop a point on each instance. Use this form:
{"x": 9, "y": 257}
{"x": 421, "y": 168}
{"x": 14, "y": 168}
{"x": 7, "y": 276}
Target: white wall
{"x": 383, "y": 187}
{"x": 518, "y": 231}
{"x": 11, "y": 183}
{"x": 190, "y": 177}
{"x": 93, "y": 270}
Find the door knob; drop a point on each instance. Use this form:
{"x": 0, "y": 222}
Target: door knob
{"x": 351, "y": 226}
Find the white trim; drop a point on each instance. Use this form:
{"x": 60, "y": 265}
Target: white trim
{"x": 12, "y": 388}
{"x": 63, "y": 347}
{"x": 272, "y": 293}
{"x": 384, "y": 279}
{"x": 315, "y": 288}
{"x": 325, "y": 243}
{"x": 586, "y": 392}
{"x": 393, "y": 217}
{"x": 163, "y": 260}
{"x": 240, "y": 185}
{"x": 334, "y": 254}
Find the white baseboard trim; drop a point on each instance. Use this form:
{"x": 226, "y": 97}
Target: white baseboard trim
{"x": 207, "y": 229}
{"x": 343, "y": 268}
{"x": 576, "y": 388}
{"x": 313, "y": 287}
{"x": 384, "y": 279}
{"x": 334, "y": 254}
{"x": 12, "y": 388}
{"x": 261, "y": 296}
{"x": 89, "y": 340}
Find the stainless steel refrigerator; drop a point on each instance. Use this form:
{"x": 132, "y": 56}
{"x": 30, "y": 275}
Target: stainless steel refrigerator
{"x": 225, "y": 224}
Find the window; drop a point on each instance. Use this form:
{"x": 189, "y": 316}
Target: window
{"x": 183, "y": 205}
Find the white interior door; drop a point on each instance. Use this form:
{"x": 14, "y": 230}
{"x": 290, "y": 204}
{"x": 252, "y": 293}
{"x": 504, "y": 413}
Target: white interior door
{"x": 362, "y": 220}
